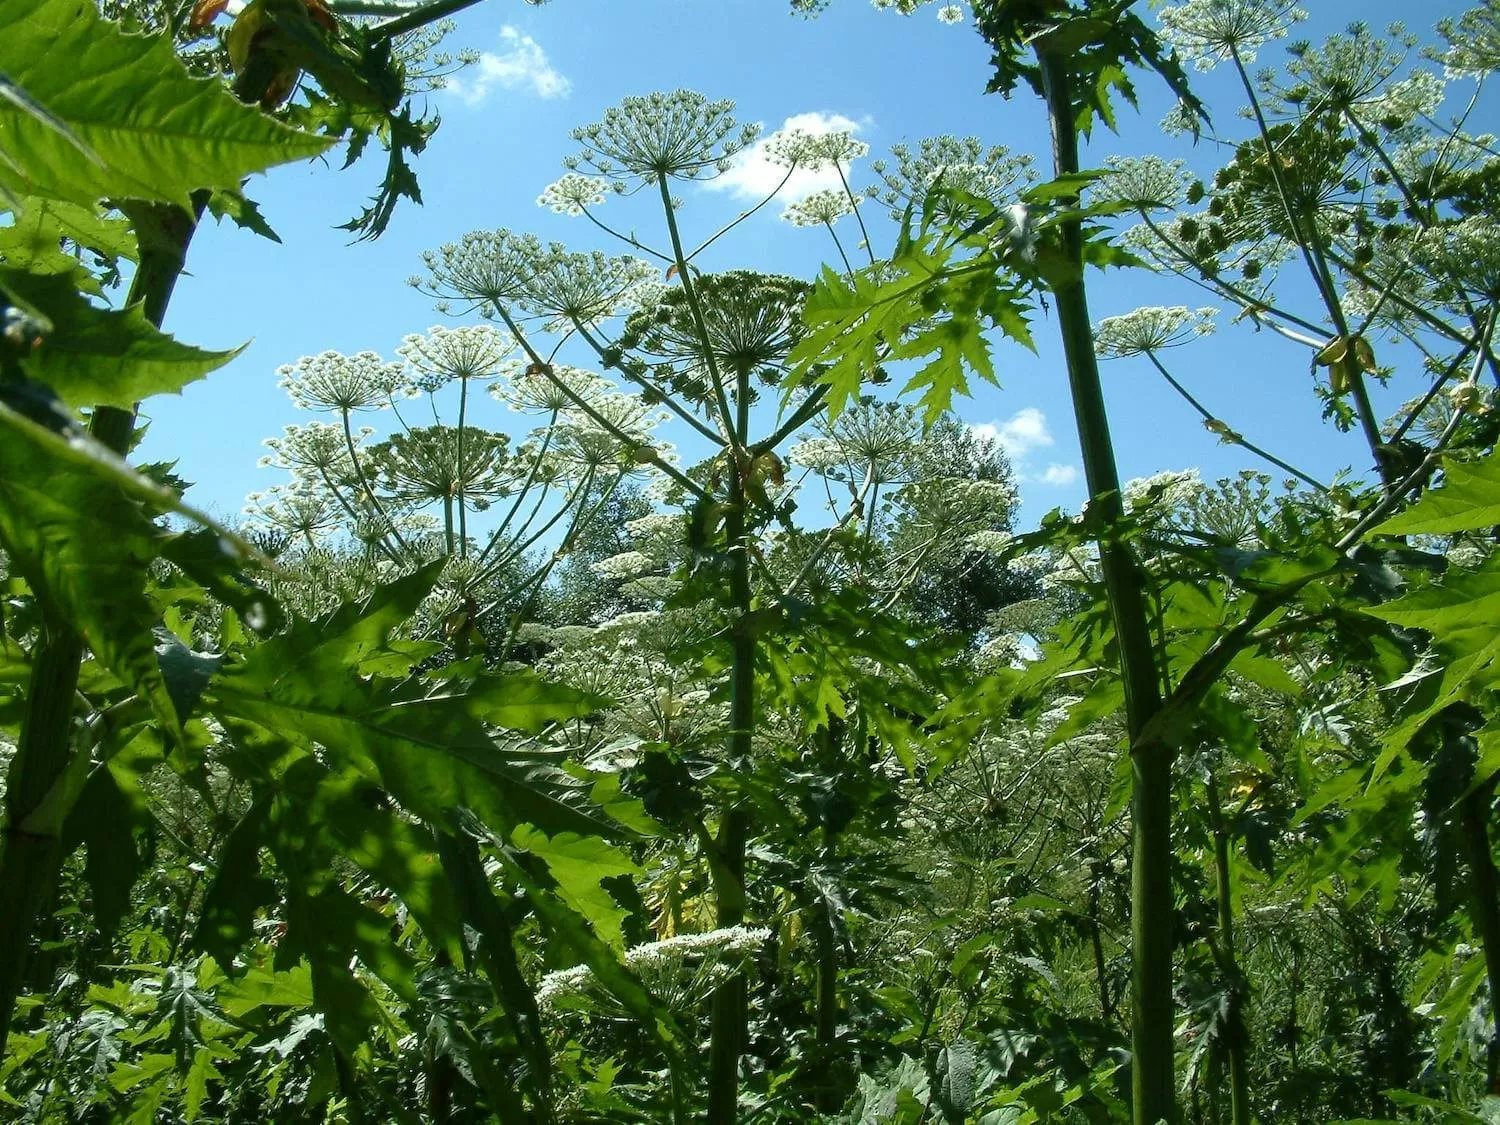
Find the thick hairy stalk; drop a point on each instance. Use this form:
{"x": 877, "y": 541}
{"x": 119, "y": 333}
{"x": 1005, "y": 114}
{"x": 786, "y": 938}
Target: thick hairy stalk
{"x": 1485, "y": 888}
{"x": 29, "y": 864}
{"x": 730, "y": 1014}
{"x": 1152, "y": 1077}
{"x": 1236, "y": 1036}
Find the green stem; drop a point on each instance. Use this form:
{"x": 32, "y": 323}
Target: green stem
{"x": 1485, "y": 887}
{"x": 369, "y": 490}
{"x": 1233, "y": 435}
{"x": 629, "y": 240}
{"x": 1317, "y": 265}
{"x": 860, "y": 219}
{"x": 1236, "y": 1038}
{"x": 729, "y": 226}
{"x": 730, "y": 1013}
{"x": 30, "y": 860}
{"x": 531, "y": 475}
{"x": 1153, "y": 1067}
{"x": 654, "y": 390}
{"x": 690, "y": 291}
{"x": 462, "y": 474}
{"x": 419, "y": 17}
{"x": 839, "y": 246}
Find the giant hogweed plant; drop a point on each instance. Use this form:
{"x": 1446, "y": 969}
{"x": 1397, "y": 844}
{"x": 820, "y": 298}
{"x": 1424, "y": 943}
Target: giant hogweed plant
{"x": 131, "y": 650}
{"x": 1349, "y": 177}
{"x": 355, "y": 505}
{"x": 758, "y": 644}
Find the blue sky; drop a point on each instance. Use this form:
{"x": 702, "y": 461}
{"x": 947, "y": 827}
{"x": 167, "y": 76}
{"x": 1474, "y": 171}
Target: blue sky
{"x": 503, "y": 136}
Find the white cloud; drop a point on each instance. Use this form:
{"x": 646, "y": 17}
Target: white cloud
{"x": 753, "y": 176}
{"x": 1019, "y": 435}
{"x": 1022, "y": 432}
{"x": 522, "y": 64}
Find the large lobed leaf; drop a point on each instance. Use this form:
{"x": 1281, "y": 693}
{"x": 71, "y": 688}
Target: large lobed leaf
{"x": 426, "y": 743}
{"x": 141, "y": 126}
{"x": 94, "y": 356}
{"x": 83, "y": 544}
{"x": 1468, "y": 500}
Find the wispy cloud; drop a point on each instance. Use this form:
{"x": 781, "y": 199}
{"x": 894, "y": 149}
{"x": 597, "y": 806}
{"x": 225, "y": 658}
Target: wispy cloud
{"x": 1022, "y": 434}
{"x": 520, "y": 65}
{"x": 753, "y": 176}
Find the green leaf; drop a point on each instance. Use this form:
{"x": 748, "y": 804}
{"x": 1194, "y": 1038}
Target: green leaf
{"x": 1469, "y": 500}
{"x": 242, "y": 212}
{"x": 1461, "y": 614}
{"x": 154, "y": 131}
{"x": 104, "y": 819}
{"x": 102, "y": 356}
{"x": 426, "y": 744}
{"x": 239, "y": 889}
{"x": 565, "y": 925}
{"x": 32, "y": 241}
{"x": 186, "y": 672}
{"x": 580, "y": 864}
{"x": 83, "y": 545}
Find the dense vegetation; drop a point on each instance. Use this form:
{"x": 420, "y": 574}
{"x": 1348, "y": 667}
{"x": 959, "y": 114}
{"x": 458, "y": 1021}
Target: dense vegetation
{"x": 556, "y": 771}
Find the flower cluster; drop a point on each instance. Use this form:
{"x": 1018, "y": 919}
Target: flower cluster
{"x": 752, "y": 321}
{"x": 317, "y": 447}
{"x": 483, "y": 268}
{"x": 1208, "y": 32}
{"x": 797, "y": 148}
{"x": 1148, "y": 183}
{"x": 961, "y": 166}
{"x": 1150, "y": 329}
{"x": 821, "y": 208}
{"x": 575, "y": 193}
{"x": 298, "y": 510}
{"x": 1466, "y": 253}
{"x": 444, "y": 354}
{"x": 534, "y": 389}
{"x": 678, "y": 135}
{"x": 878, "y": 439}
{"x": 583, "y": 286}
{"x": 342, "y": 383}
{"x": 1168, "y": 489}
{"x": 680, "y": 970}
{"x": 428, "y": 464}
{"x": 1473, "y": 42}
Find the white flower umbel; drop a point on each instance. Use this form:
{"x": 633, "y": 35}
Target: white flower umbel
{"x": 1355, "y": 74}
{"x": 682, "y": 971}
{"x": 1208, "y": 32}
{"x": 1169, "y": 489}
{"x": 1466, "y": 254}
{"x": 1147, "y": 182}
{"x": 534, "y": 389}
{"x": 1473, "y": 41}
{"x": 957, "y": 164}
{"x": 797, "y": 148}
{"x": 821, "y": 208}
{"x": 474, "y": 351}
{"x": 484, "y": 267}
{"x": 1150, "y": 329}
{"x": 675, "y": 135}
{"x": 575, "y": 193}
{"x": 878, "y": 439}
{"x": 587, "y": 287}
{"x": 317, "y": 447}
{"x": 950, "y": 14}
{"x": 338, "y": 382}
{"x": 301, "y": 511}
